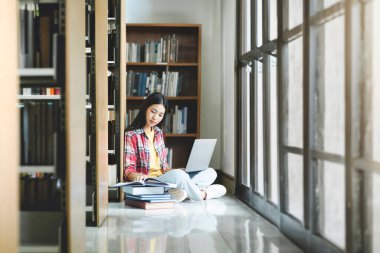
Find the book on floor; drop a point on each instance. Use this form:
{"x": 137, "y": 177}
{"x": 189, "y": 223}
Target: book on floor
{"x": 146, "y": 182}
{"x": 151, "y": 197}
{"x": 148, "y": 205}
{"x": 138, "y": 190}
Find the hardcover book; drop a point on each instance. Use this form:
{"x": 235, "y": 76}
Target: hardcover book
{"x": 148, "y": 205}
{"x": 138, "y": 190}
{"x": 151, "y": 197}
{"x": 146, "y": 182}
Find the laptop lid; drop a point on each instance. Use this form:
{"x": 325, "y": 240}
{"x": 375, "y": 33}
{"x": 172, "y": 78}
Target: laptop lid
{"x": 200, "y": 155}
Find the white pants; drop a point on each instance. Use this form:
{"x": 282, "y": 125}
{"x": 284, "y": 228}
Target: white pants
{"x": 192, "y": 182}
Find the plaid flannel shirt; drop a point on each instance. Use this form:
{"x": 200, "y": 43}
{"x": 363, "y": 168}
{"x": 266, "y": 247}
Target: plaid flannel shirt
{"x": 136, "y": 151}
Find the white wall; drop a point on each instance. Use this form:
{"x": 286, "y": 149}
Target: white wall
{"x": 228, "y": 86}
{"x": 209, "y": 14}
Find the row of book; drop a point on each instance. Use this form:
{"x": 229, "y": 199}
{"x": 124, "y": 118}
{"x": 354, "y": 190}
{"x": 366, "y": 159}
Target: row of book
{"x": 111, "y": 88}
{"x": 164, "y": 50}
{"x": 143, "y": 84}
{"x": 40, "y": 192}
{"x": 40, "y": 91}
{"x": 90, "y": 76}
{"x": 111, "y": 130}
{"x": 89, "y": 119}
{"x": 111, "y": 83}
{"x": 112, "y": 8}
{"x": 111, "y": 134}
{"x": 111, "y": 43}
{"x": 89, "y": 24}
{"x": 39, "y": 123}
{"x": 175, "y": 119}
{"x": 38, "y": 35}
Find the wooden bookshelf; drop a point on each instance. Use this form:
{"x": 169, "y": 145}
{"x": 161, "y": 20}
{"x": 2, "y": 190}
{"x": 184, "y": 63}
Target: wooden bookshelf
{"x": 116, "y": 95}
{"x": 58, "y": 223}
{"x": 186, "y": 61}
{"x": 97, "y": 111}
{"x": 75, "y": 124}
{"x": 101, "y": 84}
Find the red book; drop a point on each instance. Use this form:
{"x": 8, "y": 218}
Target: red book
{"x": 148, "y": 205}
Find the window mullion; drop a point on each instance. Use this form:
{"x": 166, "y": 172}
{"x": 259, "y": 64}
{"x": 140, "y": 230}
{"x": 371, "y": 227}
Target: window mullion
{"x": 309, "y": 182}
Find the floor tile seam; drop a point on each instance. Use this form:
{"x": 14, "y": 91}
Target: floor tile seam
{"x": 224, "y": 239}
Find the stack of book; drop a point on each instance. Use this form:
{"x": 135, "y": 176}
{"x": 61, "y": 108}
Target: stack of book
{"x": 147, "y": 194}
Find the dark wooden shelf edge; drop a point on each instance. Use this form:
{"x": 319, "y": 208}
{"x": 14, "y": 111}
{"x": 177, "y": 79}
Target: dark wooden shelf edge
{"x": 35, "y": 82}
{"x": 169, "y": 135}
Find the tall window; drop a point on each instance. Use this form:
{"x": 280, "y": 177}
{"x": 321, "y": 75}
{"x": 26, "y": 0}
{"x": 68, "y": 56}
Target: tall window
{"x": 327, "y": 117}
{"x": 259, "y": 100}
{"x": 293, "y": 124}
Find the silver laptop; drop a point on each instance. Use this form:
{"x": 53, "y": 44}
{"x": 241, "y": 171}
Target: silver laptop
{"x": 200, "y": 155}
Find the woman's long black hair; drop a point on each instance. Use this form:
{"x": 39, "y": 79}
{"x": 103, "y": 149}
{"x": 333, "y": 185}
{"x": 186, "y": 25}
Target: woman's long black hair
{"x": 152, "y": 99}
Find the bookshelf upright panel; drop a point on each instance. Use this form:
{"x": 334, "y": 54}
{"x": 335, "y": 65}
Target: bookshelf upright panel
{"x": 116, "y": 95}
{"x": 113, "y": 89}
{"x": 75, "y": 124}
{"x": 101, "y": 105}
{"x": 122, "y": 92}
{"x": 96, "y": 112}
{"x": 167, "y": 58}
{"x": 9, "y": 129}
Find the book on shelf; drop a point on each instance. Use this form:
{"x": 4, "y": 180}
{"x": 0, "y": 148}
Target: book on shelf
{"x": 40, "y": 91}
{"x": 148, "y": 205}
{"x": 139, "y": 190}
{"x": 39, "y": 191}
{"x": 176, "y": 119}
{"x": 112, "y": 9}
{"x": 169, "y": 156}
{"x": 169, "y": 83}
{"x": 146, "y": 182}
{"x": 38, "y": 132}
{"x": 111, "y": 134}
{"x": 38, "y": 24}
{"x": 111, "y": 42}
{"x": 164, "y": 50}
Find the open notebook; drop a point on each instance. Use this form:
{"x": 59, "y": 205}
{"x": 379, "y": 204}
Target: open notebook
{"x": 146, "y": 182}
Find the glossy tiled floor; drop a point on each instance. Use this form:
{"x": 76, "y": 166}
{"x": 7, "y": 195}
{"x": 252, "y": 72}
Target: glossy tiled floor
{"x": 218, "y": 225}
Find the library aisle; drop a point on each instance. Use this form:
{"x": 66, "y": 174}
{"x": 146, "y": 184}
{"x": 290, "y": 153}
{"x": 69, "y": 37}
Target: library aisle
{"x": 217, "y": 225}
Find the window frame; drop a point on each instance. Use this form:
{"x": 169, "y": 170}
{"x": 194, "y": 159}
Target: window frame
{"x": 306, "y": 235}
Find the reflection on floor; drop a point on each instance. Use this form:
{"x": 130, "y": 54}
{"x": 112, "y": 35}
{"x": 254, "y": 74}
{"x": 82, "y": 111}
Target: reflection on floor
{"x": 218, "y": 225}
